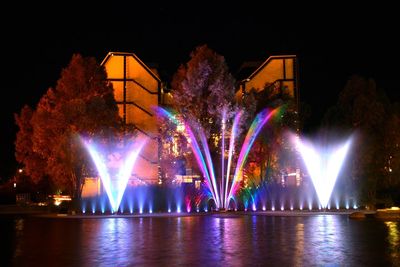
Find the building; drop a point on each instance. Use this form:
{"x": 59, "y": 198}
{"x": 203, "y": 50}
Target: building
{"x": 281, "y": 71}
{"x": 278, "y": 75}
{"x": 138, "y": 89}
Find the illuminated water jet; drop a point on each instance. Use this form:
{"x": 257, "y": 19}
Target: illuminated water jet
{"x": 223, "y": 192}
{"x": 323, "y": 165}
{"x": 114, "y": 182}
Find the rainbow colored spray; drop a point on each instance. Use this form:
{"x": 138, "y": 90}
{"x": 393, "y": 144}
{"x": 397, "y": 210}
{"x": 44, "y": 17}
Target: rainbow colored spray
{"x": 220, "y": 192}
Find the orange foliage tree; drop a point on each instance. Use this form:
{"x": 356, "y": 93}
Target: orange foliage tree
{"x": 81, "y": 104}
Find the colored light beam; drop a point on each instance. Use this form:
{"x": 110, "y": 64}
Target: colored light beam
{"x": 211, "y": 183}
{"x": 230, "y": 153}
{"x": 115, "y": 191}
{"x": 255, "y": 128}
{"x": 323, "y": 166}
{"x": 203, "y": 157}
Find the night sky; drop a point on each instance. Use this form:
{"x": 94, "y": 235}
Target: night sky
{"x": 332, "y": 43}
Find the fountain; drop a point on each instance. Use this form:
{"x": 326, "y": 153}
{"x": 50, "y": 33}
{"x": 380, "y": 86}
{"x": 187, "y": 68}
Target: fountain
{"x": 120, "y": 166}
{"x": 323, "y": 165}
{"x": 223, "y": 192}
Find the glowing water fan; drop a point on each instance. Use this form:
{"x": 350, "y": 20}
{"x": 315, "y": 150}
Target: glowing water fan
{"x": 323, "y": 166}
{"x": 115, "y": 182}
{"x": 223, "y": 191}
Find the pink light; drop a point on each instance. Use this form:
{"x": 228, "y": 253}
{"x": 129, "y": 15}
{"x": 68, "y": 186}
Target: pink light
{"x": 222, "y": 193}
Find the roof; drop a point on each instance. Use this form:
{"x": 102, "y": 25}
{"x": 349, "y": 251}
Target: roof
{"x": 110, "y": 54}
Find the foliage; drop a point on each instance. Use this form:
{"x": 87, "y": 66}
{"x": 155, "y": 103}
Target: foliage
{"x": 364, "y": 110}
{"x": 82, "y": 104}
{"x": 202, "y": 88}
{"x": 272, "y": 154}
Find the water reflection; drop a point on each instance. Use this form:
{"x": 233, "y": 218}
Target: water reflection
{"x": 210, "y": 240}
{"x": 394, "y": 241}
{"x": 114, "y": 237}
{"x": 299, "y": 250}
{"x": 19, "y": 231}
{"x": 327, "y": 241}
{"x": 228, "y": 234}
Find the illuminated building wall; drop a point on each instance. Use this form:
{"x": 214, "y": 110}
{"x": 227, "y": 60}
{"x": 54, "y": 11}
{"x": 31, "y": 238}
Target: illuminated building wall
{"x": 91, "y": 187}
{"x": 276, "y": 69}
{"x": 281, "y": 74}
{"x": 137, "y": 89}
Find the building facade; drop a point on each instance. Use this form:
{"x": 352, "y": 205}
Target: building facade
{"x": 138, "y": 90}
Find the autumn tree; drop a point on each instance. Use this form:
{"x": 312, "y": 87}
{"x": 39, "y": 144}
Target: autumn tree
{"x": 48, "y": 141}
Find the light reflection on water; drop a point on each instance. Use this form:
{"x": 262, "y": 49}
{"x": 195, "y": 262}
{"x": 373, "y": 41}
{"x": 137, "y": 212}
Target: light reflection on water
{"x": 211, "y": 240}
{"x": 394, "y": 241}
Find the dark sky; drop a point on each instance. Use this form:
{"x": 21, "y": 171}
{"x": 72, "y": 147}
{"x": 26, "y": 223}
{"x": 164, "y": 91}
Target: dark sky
{"x": 332, "y": 42}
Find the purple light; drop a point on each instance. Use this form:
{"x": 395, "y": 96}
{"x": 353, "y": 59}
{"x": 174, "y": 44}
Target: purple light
{"x": 222, "y": 193}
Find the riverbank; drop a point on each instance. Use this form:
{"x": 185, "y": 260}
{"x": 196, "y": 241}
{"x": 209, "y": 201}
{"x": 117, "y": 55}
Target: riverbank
{"x": 49, "y": 212}
{"x": 14, "y": 209}
{"x": 214, "y": 214}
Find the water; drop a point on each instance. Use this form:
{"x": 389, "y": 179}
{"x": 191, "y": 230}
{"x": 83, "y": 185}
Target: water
{"x": 206, "y": 240}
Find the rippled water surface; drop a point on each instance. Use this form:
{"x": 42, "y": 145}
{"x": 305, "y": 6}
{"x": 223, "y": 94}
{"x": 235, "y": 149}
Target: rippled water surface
{"x": 212, "y": 240}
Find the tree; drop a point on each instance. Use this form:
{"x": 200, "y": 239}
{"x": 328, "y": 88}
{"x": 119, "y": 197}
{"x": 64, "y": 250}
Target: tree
{"x": 34, "y": 164}
{"x": 202, "y": 88}
{"x": 361, "y": 110}
{"x": 82, "y": 104}
{"x": 202, "y": 91}
{"x": 271, "y": 151}
{"x": 391, "y": 148}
